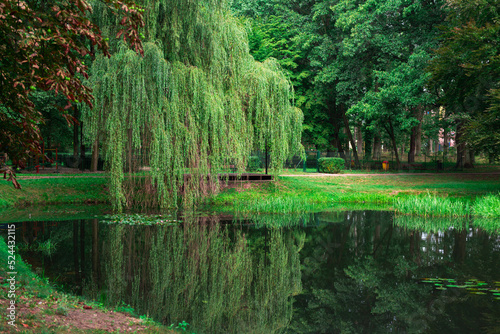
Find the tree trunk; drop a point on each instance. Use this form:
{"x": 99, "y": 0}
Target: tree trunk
{"x": 335, "y": 122}
{"x": 338, "y": 142}
{"x": 377, "y": 146}
{"x": 75, "y": 132}
{"x": 347, "y": 143}
{"x": 416, "y": 133}
{"x": 460, "y": 144}
{"x": 368, "y": 144}
{"x": 418, "y": 137}
{"x": 413, "y": 139}
{"x": 349, "y": 135}
{"x": 95, "y": 155}
{"x": 468, "y": 155}
{"x": 390, "y": 130}
{"x": 359, "y": 139}
{"x": 82, "y": 147}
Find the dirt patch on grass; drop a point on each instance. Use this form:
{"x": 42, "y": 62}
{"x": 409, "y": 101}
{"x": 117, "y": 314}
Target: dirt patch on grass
{"x": 35, "y": 315}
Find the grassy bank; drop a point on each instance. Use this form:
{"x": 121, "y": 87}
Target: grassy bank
{"x": 40, "y": 308}
{"x": 447, "y": 193}
{"x": 61, "y": 190}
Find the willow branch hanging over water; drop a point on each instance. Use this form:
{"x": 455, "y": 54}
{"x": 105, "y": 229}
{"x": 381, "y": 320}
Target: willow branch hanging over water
{"x": 194, "y": 104}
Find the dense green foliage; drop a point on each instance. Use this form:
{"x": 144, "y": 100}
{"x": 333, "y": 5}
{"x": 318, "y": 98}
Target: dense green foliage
{"x": 390, "y": 66}
{"x": 195, "y": 103}
{"x": 466, "y": 71}
{"x": 331, "y": 165}
{"x": 253, "y": 163}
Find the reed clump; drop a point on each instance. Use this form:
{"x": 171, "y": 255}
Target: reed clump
{"x": 278, "y": 205}
{"x": 433, "y": 206}
{"x": 487, "y": 206}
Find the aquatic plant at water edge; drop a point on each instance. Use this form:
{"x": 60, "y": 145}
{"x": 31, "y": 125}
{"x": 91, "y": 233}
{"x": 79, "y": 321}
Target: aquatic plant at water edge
{"x": 487, "y": 206}
{"x": 142, "y": 219}
{"x": 277, "y": 205}
{"x": 431, "y": 205}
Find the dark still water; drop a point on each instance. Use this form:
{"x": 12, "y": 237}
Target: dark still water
{"x": 336, "y": 272}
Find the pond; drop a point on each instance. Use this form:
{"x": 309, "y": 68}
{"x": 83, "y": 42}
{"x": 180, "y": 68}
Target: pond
{"x": 330, "y": 272}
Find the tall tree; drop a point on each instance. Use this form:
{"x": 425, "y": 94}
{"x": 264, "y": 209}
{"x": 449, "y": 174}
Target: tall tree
{"x": 465, "y": 72}
{"x": 195, "y": 103}
{"x": 388, "y": 44}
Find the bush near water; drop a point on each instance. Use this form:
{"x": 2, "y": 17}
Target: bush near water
{"x": 331, "y": 165}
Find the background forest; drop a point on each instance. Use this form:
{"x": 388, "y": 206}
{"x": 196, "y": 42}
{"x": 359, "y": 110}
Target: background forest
{"x": 411, "y": 75}
{"x": 408, "y": 74}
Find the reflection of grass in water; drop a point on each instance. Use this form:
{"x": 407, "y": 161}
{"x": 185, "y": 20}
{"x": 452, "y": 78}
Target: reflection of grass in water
{"x": 47, "y": 247}
{"x": 427, "y": 224}
{"x": 290, "y": 220}
{"x": 434, "y": 224}
{"x": 276, "y": 221}
{"x": 433, "y": 206}
{"x": 490, "y": 225}
{"x": 487, "y": 206}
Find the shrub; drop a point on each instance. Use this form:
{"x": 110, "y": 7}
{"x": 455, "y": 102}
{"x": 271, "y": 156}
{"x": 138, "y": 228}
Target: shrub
{"x": 331, "y": 165}
{"x": 253, "y": 163}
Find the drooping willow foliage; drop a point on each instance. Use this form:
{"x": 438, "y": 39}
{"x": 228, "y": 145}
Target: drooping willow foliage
{"x": 218, "y": 280}
{"x": 194, "y": 105}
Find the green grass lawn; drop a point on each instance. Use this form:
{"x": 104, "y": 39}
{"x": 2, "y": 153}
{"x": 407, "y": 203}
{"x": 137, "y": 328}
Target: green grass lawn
{"x": 54, "y": 191}
{"x": 303, "y": 193}
{"x": 311, "y": 192}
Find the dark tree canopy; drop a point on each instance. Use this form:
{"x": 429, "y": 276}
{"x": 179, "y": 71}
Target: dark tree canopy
{"x": 466, "y": 71}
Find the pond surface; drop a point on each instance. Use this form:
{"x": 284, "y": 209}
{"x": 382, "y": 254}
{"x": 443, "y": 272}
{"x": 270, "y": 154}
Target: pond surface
{"x": 332, "y": 272}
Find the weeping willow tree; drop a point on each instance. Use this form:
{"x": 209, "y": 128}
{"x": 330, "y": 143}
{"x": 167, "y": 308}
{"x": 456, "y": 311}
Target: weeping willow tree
{"x": 197, "y": 102}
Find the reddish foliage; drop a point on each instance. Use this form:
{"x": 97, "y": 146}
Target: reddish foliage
{"x": 42, "y": 46}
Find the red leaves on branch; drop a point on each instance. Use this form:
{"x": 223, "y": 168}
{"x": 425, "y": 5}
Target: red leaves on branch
{"x": 42, "y": 48}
